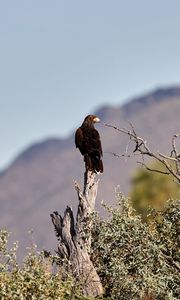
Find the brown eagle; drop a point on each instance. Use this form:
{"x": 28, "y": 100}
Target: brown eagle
{"x": 87, "y": 139}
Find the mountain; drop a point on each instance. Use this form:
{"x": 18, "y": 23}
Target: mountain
{"x": 41, "y": 179}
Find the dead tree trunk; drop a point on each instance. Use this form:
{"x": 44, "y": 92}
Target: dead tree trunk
{"x": 75, "y": 237}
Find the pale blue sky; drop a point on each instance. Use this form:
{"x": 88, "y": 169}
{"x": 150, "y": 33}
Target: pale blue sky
{"x": 60, "y": 60}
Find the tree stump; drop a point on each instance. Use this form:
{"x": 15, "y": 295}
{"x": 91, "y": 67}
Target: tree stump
{"x": 75, "y": 237}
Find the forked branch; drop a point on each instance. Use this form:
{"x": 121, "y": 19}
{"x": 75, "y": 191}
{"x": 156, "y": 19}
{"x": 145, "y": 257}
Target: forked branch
{"x": 171, "y": 162}
{"x": 75, "y": 237}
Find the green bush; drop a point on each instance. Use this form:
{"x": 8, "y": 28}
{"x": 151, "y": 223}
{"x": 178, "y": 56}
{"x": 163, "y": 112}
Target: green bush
{"x": 33, "y": 279}
{"x": 152, "y": 189}
{"x": 135, "y": 261}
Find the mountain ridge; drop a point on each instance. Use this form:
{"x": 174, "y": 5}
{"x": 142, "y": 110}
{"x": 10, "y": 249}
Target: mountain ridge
{"x": 159, "y": 94}
{"x": 40, "y": 179}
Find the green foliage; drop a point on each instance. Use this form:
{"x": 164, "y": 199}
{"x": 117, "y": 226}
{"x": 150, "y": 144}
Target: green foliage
{"x": 33, "y": 279}
{"x": 152, "y": 189}
{"x": 135, "y": 261}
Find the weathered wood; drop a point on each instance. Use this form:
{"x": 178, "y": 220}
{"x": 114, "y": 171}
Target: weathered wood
{"x": 75, "y": 237}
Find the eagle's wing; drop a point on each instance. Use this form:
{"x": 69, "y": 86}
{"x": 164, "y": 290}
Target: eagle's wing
{"x": 78, "y": 138}
{"x": 99, "y": 146}
{"x": 96, "y": 141}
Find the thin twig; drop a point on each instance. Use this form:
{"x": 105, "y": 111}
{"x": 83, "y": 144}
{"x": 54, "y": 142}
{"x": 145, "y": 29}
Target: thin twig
{"x": 142, "y": 147}
{"x": 118, "y": 155}
{"x": 153, "y": 170}
{"x": 169, "y": 258}
{"x": 167, "y": 157}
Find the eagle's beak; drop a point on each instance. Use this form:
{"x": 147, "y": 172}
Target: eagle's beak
{"x": 96, "y": 120}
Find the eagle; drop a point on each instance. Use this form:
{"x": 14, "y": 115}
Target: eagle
{"x": 87, "y": 139}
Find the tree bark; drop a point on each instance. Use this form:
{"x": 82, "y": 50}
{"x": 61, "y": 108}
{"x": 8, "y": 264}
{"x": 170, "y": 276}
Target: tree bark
{"x": 75, "y": 237}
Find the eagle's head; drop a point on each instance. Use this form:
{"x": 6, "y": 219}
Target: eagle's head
{"x": 92, "y": 118}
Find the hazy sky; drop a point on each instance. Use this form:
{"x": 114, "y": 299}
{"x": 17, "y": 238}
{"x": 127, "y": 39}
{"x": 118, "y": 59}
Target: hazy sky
{"x": 60, "y": 60}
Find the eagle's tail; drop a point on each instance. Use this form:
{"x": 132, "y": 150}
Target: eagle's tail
{"x": 94, "y": 163}
{"x": 98, "y": 166}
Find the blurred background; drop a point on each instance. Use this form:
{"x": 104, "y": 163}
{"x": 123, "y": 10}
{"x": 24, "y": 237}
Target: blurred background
{"x": 61, "y": 60}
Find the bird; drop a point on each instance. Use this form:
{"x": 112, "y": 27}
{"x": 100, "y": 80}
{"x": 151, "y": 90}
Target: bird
{"x": 87, "y": 139}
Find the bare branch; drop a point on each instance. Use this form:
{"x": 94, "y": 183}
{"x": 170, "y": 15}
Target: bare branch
{"x": 153, "y": 170}
{"x": 119, "y": 155}
{"x": 142, "y": 147}
{"x": 170, "y": 259}
{"x": 167, "y": 157}
{"x": 74, "y": 236}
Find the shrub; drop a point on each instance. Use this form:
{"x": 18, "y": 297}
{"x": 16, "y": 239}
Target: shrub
{"x": 33, "y": 279}
{"x": 152, "y": 189}
{"x": 135, "y": 261}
